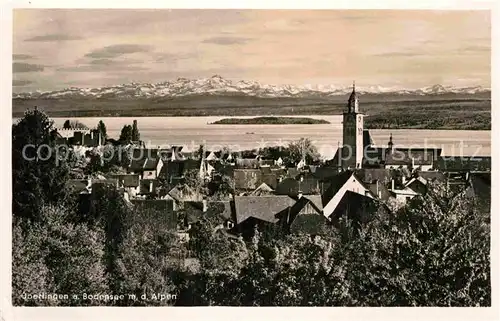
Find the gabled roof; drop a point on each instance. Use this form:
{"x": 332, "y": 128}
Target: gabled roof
{"x": 264, "y": 208}
{"x": 263, "y": 189}
{"x": 145, "y": 159}
{"x": 432, "y": 175}
{"x": 385, "y": 194}
{"x": 336, "y": 184}
{"x": 183, "y": 192}
{"x": 356, "y": 206}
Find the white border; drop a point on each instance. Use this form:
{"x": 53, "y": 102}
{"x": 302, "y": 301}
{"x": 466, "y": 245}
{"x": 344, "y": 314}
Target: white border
{"x": 8, "y": 313}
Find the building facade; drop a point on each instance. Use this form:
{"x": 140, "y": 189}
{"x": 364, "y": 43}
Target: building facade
{"x": 352, "y": 149}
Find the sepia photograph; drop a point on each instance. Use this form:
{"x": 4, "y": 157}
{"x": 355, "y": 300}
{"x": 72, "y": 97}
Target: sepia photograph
{"x": 251, "y": 158}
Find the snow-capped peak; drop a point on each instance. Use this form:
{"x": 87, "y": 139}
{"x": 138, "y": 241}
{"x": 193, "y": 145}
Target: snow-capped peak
{"x": 217, "y": 85}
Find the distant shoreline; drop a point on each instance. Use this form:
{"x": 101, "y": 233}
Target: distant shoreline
{"x": 269, "y": 120}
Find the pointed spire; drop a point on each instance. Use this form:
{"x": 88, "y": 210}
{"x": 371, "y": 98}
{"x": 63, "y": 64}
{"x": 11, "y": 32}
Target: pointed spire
{"x": 354, "y": 85}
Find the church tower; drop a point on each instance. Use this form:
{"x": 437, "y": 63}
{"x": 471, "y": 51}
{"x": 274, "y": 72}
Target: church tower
{"x": 352, "y": 151}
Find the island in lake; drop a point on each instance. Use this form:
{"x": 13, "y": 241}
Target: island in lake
{"x": 270, "y": 121}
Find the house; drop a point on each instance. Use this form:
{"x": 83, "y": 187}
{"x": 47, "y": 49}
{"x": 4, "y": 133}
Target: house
{"x": 250, "y": 179}
{"x": 419, "y": 183}
{"x": 148, "y": 187}
{"x": 158, "y": 213}
{"x": 305, "y": 216}
{"x": 372, "y": 175}
{"x": 130, "y": 182}
{"x": 402, "y": 196}
{"x": 356, "y": 207}
{"x": 380, "y": 190}
{"x": 146, "y": 162}
{"x": 339, "y": 185}
{"x": 247, "y": 160}
{"x": 183, "y": 193}
{"x": 293, "y": 187}
{"x": 79, "y": 137}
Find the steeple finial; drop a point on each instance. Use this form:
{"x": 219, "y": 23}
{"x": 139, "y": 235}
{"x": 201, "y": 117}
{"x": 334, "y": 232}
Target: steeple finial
{"x": 353, "y": 85}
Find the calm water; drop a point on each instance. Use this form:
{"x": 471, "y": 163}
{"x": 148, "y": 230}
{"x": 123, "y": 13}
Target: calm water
{"x": 193, "y": 131}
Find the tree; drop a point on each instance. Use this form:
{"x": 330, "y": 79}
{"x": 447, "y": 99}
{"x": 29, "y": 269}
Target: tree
{"x": 300, "y": 149}
{"x": 67, "y": 124}
{"x": 101, "y": 127}
{"x": 136, "y": 136}
{"x": 39, "y": 168}
{"x": 56, "y": 255}
{"x": 126, "y": 134}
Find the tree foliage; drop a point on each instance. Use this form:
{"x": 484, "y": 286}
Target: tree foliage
{"x": 101, "y": 127}
{"x": 126, "y": 134}
{"x": 39, "y": 171}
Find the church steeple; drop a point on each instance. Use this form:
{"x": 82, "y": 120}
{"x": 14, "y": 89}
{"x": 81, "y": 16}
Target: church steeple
{"x": 390, "y": 144}
{"x": 353, "y": 103}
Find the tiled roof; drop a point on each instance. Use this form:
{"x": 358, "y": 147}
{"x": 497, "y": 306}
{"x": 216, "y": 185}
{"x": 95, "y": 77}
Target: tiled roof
{"x": 145, "y": 159}
{"x": 263, "y": 189}
{"x": 292, "y": 186}
{"x": 356, "y": 206}
{"x": 405, "y": 156}
{"x": 336, "y": 184}
{"x": 384, "y": 192}
{"x": 247, "y": 179}
{"x": 264, "y": 208}
{"x": 370, "y": 175}
{"x": 183, "y": 192}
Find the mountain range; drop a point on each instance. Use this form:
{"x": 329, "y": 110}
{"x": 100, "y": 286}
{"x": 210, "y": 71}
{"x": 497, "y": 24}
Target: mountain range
{"x": 218, "y": 86}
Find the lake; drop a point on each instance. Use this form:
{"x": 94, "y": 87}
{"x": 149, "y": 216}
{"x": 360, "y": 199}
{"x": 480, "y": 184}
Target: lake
{"x": 193, "y": 131}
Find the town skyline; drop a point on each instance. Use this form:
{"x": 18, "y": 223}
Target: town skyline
{"x": 405, "y": 49}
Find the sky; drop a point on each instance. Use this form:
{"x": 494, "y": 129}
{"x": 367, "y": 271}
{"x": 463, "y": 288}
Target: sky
{"x": 60, "y": 48}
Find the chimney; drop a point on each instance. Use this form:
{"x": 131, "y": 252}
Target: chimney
{"x": 151, "y": 186}
{"x": 403, "y": 179}
{"x": 205, "y": 205}
{"x": 467, "y": 175}
{"x": 299, "y": 195}
{"x": 89, "y": 182}
{"x": 392, "y": 184}
{"x": 378, "y": 190}
{"x": 412, "y": 163}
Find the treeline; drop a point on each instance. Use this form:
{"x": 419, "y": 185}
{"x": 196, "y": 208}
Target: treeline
{"x": 270, "y": 121}
{"x": 434, "y": 252}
